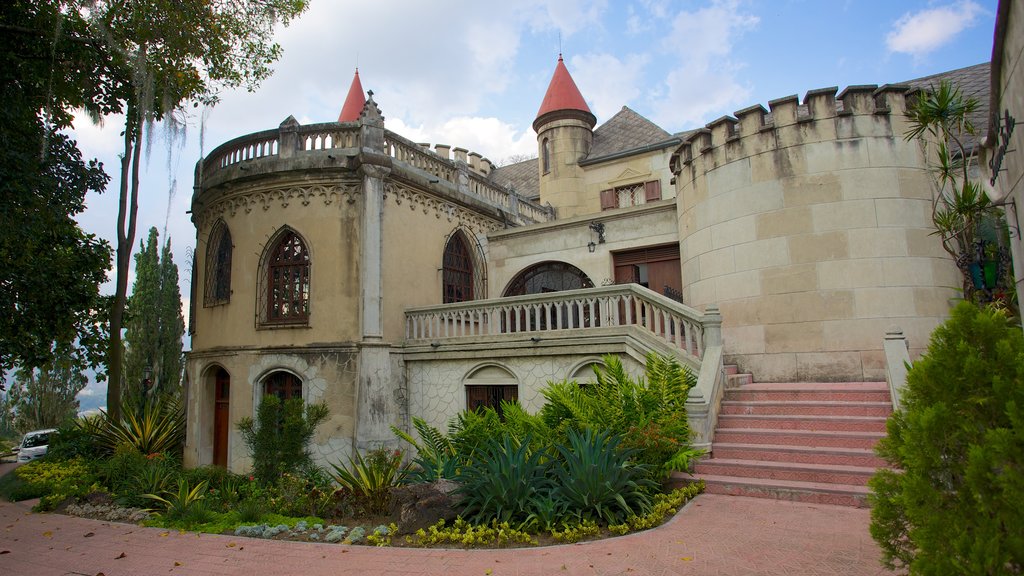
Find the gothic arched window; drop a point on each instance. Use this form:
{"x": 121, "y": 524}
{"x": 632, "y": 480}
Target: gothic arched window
{"x": 218, "y": 266}
{"x": 288, "y": 281}
{"x": 457, "y": 282}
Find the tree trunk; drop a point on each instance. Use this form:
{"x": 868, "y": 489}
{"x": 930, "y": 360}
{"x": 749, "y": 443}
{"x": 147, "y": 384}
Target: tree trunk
{"x": 127, "y": 215}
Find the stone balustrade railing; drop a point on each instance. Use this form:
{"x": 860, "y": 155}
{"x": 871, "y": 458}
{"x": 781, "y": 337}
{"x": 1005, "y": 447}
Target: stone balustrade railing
{"x": 292, "y": 140}
{"x": 679, "y": 326}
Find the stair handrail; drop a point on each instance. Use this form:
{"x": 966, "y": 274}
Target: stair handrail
{"x": 897, "y": 363}
{"x": 704, "y": 401}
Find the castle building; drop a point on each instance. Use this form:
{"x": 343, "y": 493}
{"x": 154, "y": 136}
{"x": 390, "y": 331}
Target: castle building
{"x": 340, "y": 262}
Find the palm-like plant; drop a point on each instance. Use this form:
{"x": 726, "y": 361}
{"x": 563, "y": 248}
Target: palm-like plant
{"x": 435, "y": 455}
{"x": 371, "y": 479}
{"x": 155, "y": 427}
{"x": 176, "y": 504}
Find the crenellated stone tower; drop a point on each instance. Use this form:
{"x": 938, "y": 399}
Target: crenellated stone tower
{"x": 564, "y": 127}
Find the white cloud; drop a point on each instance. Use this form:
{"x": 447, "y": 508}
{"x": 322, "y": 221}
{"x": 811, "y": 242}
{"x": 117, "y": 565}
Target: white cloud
{"x": 705, "y": 79}
{"x": 922, "y": 32}
{"x": 489, "y": 137}
{"x": 609, "y": 82}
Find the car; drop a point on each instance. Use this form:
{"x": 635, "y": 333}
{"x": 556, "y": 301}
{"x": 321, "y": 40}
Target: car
{"x": 34, "y": 444}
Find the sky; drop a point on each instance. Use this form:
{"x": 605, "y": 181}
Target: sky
{"x": 472, "y": 74}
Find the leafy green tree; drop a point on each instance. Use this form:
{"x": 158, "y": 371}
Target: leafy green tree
{"x": 952, "y": 501}
{"x": 46, "y": 397}
{"x": 171, "y": 53}
{"x": 49, "y": 283}
{"x": 154, "y": 323}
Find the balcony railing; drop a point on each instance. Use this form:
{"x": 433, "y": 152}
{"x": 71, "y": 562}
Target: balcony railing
{"x": 677, "y": 325}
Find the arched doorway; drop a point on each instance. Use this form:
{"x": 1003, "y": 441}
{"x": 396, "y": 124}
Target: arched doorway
{"x": 221, "y": 417}
{"x": 549, "y": 276}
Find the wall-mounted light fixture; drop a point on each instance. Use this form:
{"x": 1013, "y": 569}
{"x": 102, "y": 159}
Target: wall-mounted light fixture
{"x": 591, "y": 246}
{"x": 597, "y": 227}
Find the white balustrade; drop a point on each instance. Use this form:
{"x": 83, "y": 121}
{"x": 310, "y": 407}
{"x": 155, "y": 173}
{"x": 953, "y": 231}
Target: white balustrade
{"x": 591, "y": 308}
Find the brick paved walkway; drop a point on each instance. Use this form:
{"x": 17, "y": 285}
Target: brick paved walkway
{"x": 714, "y": 534}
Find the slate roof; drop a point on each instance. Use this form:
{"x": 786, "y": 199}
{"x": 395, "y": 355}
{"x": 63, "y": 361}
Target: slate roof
{"x": 626, "y": 130}
{"x": 523, "y": 176}
{"x": 973, "y": 82}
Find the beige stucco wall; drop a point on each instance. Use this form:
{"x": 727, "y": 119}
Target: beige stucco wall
{"x": 511, "y": 251}
{"x": 325, "y": 213}
{"x": 328, "y": 375}
{"x": 812, "y": 235}
{"x": 560, "y": 186}
{"x": 633, "y": 169}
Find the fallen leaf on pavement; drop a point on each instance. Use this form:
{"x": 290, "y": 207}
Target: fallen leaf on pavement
{"x": 122, "y": 555}
{"x": 89, "y": 535}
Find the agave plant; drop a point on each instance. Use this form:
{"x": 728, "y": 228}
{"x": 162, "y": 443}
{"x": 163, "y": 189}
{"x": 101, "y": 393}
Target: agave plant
{"x": 157, "y": 427}
{"x": 597, "y": 481}
{"x": 371, "y": 479}
{"x": 505, "y": 482}
{"x": 177, "y": 504}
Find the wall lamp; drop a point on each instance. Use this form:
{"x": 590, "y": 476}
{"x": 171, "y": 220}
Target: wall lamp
{"x": 597, "y": 227}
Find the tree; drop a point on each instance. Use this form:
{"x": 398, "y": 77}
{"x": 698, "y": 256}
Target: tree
{"x": 173, "y": 52}
{"x": 49, "y": 283}
{"x": 46, "y": 397}
{"x": 154, "y": 323}
{"x": 952, "y": 499}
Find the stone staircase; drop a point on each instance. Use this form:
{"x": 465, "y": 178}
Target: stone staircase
{"x": 809, "y": 442}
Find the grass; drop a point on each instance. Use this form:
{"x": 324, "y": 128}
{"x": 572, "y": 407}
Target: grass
{"x": 222, "y": 522}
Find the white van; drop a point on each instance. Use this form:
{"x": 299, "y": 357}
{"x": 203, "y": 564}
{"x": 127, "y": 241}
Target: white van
{"x": 34, "y": 444}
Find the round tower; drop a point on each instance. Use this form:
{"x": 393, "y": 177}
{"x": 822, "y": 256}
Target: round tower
{"x": 564, "y": 127}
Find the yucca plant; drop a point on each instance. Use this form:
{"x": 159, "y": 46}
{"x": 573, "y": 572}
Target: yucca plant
{"x": 435, "y": 455}
{"x": 505, "y": 482}
{"x": 371, "y": 479}
{"x": 176, "y": 504}
{"x": 596, "y": 479}
{"x": 157, "y": 427}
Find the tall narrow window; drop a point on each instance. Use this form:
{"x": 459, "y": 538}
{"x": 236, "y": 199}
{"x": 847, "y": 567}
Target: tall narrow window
{"x": 288, "y": 281}
{"x": 458, "y": 270}
{"x": 218, "y": 266}
{"x": 284, "y": 385}
{"x": 545, "y": 152}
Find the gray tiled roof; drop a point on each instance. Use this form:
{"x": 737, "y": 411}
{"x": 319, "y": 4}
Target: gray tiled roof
{"x": 625, "y": 131}
{"x": 973, "y": 82}
{"x": 521, "y": 176}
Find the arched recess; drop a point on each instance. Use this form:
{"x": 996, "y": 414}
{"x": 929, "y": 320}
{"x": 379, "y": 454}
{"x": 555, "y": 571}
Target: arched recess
{"x": 545, "y": 155}
{"x": 215, "y": 416}
{"x": 463, "y": 269}
{"x": 488, "y": 385}
{"x": 549, "y": 276}
{"x": 284, "y": 281}
{"x": 219, "y": 249}
{"x": 583, "y": 372}
{"x": 281, "y": 383}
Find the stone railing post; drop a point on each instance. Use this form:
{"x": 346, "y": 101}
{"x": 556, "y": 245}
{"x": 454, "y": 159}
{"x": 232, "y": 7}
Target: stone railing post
{"x": 712, "y": 326}
{"x": 897, "y": 360}
{"x": 288, "y": 138}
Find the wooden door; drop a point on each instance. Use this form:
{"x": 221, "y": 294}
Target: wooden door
{"x": 221, "y": 420}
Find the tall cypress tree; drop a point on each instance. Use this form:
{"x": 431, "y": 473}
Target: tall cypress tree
{"x": 154, "y": 323}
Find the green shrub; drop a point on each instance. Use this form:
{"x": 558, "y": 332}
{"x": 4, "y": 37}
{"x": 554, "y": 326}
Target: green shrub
{"x": 597, "y": 481}
{"x": 176, "y": 504}
{"x": 649, "y": 412}
{"x": 435, "y": 454}
{"x": 953, "y": 502}
{"x": 504, "y": 482}
{"x": 54, "y": 481}
{"x": 128, "y": 474}
{"x": 300, "y": 495}
{"x": 370, "y": 480}
{"x": 72, "y": 441}
{"x": 156, "y": 427}
{"x": 278, "y": 439}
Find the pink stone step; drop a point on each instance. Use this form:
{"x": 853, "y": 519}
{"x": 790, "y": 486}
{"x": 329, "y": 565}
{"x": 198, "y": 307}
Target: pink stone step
{"x": 737, "y": 380}
{"x": 811, "y": 438}
{"x": 806, "y": 408}
{"x": 831, "y": 423}
{"x": 802, "y": 454}
{"x": 812, "y": 392}
{"x": 731, "y": 369}
{"x": 800, "y": 472}
{"x": 813, "y": 492}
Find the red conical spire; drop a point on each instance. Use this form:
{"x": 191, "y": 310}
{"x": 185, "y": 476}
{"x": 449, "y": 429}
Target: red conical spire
{"x": 563, "y": 95}
{"x": 354, "y": 102}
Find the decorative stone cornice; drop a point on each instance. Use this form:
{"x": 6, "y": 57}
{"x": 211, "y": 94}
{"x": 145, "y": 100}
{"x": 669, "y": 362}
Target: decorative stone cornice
{"x": 417, "y": 200}
{"x": 252, "y": 199}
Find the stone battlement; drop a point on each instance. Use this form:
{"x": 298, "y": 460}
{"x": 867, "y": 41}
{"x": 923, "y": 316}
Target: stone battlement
{"x": 857, "y": 111}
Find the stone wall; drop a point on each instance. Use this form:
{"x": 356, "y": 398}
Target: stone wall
{"x": 810, "y": 228}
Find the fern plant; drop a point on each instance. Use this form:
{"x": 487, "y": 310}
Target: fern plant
{"x": 435, "y": 455}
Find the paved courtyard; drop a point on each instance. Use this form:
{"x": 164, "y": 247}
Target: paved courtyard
{"x": 725, "y": 535}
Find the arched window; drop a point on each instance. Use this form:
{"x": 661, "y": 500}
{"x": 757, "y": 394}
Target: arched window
{"x": 457, "y": 282}
{"x": 548, "y": 277}
{"x": 218, "y": 266}
{"x": 288, "y": 281}
{"x": 284, "y": 385}
{"x": 545, "y": 154}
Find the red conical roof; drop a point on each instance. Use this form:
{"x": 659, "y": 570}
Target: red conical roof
{"x": 354, "y": 102}
{"x": 563, "y": 95}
